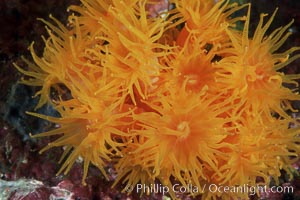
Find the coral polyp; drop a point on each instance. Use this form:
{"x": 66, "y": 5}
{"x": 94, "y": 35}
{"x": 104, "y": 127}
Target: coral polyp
{"x": 177, "y": 96}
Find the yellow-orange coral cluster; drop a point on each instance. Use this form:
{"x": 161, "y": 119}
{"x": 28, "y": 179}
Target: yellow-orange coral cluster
{"x": 178, "y": 95}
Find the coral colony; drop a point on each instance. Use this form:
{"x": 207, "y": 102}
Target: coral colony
{"x": 181, "y": 97}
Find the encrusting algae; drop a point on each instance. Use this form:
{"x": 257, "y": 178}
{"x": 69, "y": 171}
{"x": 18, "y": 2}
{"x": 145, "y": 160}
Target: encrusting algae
{"x": 178, "y": 96}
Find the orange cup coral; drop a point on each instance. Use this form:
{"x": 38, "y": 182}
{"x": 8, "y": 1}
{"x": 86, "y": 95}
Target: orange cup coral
{"x": 178, "y": 96}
